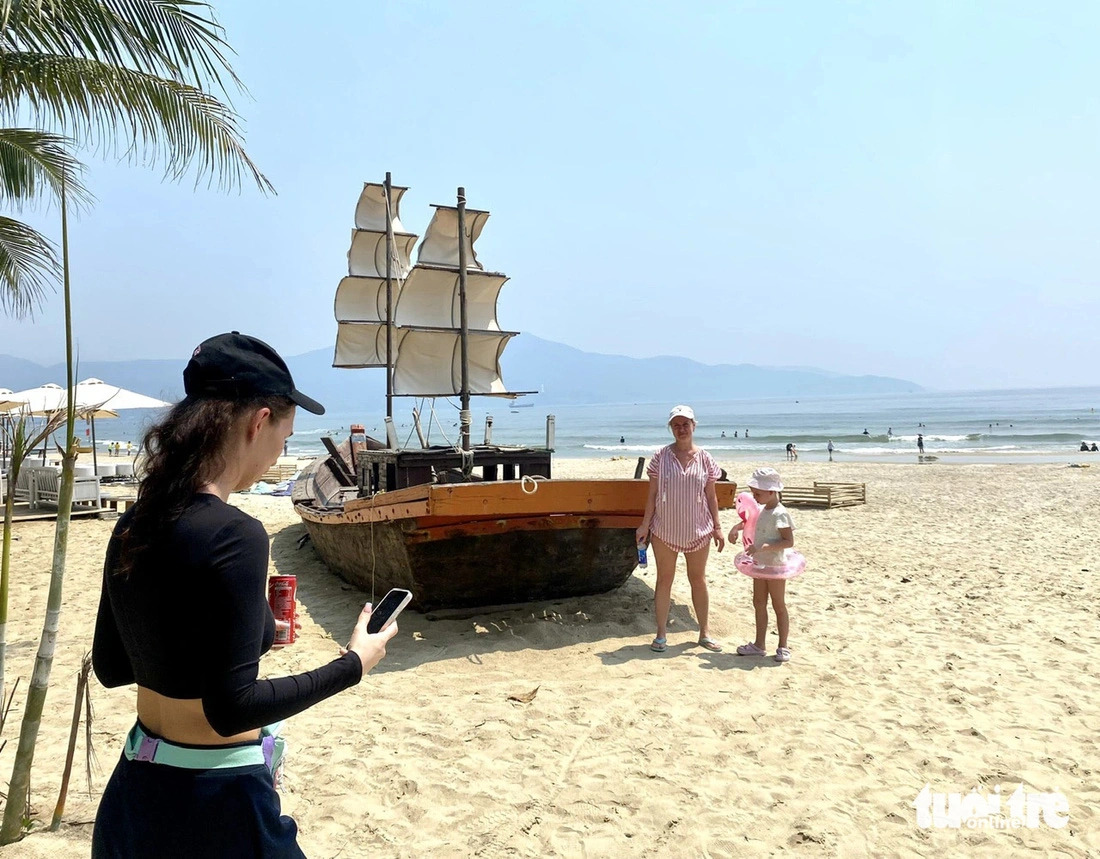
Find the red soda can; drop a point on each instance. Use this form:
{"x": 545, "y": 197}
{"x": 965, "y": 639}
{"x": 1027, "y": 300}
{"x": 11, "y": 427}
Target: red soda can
{"x": 281, "y": 591}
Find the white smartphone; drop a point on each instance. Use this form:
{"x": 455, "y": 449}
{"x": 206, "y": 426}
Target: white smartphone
{"x": 388, "y": 609}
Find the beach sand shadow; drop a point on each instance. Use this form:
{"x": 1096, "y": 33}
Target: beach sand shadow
{"x": 626, "y": 612}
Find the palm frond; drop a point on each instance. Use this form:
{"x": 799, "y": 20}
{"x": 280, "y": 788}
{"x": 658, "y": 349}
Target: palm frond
{"x": 28, "y": 267}
{"x": 153, "y": 118}
{"x": 179, "y": 39}
{"x": 33, "y": 162}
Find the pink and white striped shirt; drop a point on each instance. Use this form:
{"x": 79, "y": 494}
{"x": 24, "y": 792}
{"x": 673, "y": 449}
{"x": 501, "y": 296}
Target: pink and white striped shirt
{"x": 682, "y": 517}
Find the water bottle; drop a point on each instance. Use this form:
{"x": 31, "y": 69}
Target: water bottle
{"x": 643, "y": 560}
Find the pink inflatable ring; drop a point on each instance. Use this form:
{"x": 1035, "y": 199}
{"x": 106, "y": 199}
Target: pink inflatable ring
{"x": 749, "y": 511}
{"x": 794, "y": 566}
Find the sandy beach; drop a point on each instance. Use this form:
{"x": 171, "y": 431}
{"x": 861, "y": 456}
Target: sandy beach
{"x": 943, "y": 635}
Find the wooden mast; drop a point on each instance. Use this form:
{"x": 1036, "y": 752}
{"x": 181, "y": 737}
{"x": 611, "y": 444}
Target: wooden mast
{"x": 465, "y": 330}
{"x": 389, "y": 298}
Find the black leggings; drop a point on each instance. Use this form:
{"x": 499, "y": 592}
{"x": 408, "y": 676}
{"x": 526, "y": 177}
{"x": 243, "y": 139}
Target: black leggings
{"x": 150, "y": 809}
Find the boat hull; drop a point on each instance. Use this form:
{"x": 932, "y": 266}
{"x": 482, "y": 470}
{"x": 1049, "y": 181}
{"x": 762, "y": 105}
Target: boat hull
{"x": 483, "y": 543}
{"x": 481, "y": 563}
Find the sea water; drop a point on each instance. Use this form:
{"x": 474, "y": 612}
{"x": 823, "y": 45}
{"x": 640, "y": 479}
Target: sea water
{"x": 1034, "y": 425}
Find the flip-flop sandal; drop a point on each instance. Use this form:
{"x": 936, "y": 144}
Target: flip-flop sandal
{"x": 751, "y": 649}
{"x": 659, "y": 645}
{"x": 710, "y": 644}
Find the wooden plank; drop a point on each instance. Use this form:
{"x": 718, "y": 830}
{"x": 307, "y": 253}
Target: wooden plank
{"x": 548, "y": 496}
{"x": 387, "y": 512}
{"x": 340, "y": 469}
{"x": 825, "y": 495}
{"x": 726, "y": 490}
{"x": 503, "y": 499}
{"x": 485, "y": 527}
{"x": 398, "y": 496}
{"x": 555, "y": 496}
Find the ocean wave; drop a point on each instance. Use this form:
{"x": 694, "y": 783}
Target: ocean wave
{"x": 624, "y": 448}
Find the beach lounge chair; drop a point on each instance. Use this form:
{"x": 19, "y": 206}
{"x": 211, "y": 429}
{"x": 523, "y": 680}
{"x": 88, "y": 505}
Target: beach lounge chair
{"x": 47, "y": 490}
{"x": 23, "y": 490}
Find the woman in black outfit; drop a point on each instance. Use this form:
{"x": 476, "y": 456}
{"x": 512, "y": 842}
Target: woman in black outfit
{"x": 184, "y": 615}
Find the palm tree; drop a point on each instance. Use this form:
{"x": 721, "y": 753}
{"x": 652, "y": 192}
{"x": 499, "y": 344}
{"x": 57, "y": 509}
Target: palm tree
{"x": 33, "y": 164}
{"x": 24, "y": 437}
{"x": 138, "y": 76}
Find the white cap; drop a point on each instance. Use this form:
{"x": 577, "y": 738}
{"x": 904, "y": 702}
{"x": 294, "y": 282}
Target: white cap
{"x": 766, "y": 480}
{"x": 681, "y": 412}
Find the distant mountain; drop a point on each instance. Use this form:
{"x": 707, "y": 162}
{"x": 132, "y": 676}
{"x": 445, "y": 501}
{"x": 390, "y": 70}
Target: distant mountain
{"x": 568, "y": 375}
{"x": 560, "y": 373}
{"x": 154, "y": 378}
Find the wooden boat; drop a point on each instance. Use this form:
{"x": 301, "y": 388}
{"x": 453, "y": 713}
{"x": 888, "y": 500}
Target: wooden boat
{"x": 463, "y": 525}
{"x": 489, "y": 542}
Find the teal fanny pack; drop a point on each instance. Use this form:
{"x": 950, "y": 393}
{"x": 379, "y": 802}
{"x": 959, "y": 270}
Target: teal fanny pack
{"x": 269, "y": 751}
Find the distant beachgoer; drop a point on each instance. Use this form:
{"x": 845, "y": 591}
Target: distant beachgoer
{"x": 622, "y": 439}
{"x": 746, "y": 433}
{"x": 1094, "y": 448}
{"x": 790, "y": 451}
{"x": 285, "y": 447}
{"x": 196, "y": 774}
{"x": 920, "y": 443}
{"x": 829, "y": 447}
{"x": 865, "y": 431}
{"x": 1085, "y": 446}
{"x": 681, "y": 515}
{"x": 723, "y": 433}
{"x": 774, "y": 535}
{"x": 890, "y": 431}
{"x": 735, "y": 433}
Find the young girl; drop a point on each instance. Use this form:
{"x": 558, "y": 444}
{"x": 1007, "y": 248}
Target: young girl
{"x": 774, "y": 535}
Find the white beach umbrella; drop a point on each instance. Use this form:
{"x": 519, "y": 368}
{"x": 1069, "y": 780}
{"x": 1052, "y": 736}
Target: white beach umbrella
{"x": 98, "y": 396}
{"x": 47, "y": 400}
{"x": 97, "y": 393}
{"x": 43, "y": 400}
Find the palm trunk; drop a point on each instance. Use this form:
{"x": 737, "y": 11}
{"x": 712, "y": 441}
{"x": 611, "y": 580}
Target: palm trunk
{"x": 21, "y": 445}
{"x": 12, "y": 827}
{"x": 5, "y": 556}
{"x": 5, "y": 566}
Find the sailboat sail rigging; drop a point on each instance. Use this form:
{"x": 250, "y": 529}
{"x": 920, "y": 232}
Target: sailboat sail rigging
{"x": 448, "y": 521}
{"x": 426, "y": 317}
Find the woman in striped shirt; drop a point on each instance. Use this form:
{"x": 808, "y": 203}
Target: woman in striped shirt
{"x": 681, "y": 515}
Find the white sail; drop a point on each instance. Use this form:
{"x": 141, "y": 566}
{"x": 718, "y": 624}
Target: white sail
{"x": 370, "y": 211}
{"x": 427, "y": 309}
{"x": 360, "y": 344}
{"x": 429, "y": 362}
{"x": 430, "y": 297}
{"x": 367, "y": 255}
{"x": 440, "y": 245}
{"x": 362, "y": 299}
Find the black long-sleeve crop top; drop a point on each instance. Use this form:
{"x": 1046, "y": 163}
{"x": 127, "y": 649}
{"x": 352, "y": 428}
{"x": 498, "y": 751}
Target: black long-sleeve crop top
{"x": 193, "y": 620}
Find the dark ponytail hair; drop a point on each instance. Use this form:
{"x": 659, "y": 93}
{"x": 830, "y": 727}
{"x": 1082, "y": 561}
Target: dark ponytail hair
{"x": 183, "y": 452}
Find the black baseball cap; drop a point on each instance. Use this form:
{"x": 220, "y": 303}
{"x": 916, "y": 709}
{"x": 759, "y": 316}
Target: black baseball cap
{"x": 235, "y": 365}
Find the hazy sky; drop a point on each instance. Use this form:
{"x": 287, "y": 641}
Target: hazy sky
{"x": 903, "y": 188}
